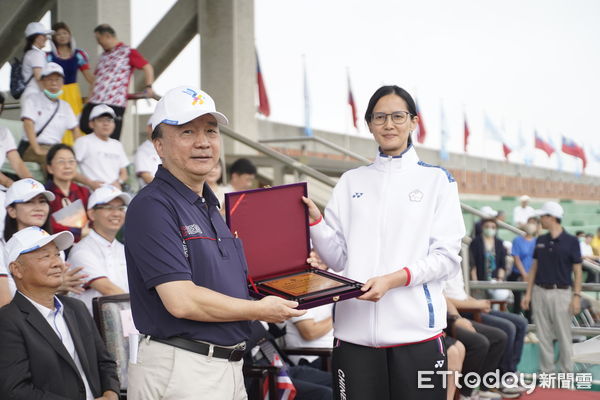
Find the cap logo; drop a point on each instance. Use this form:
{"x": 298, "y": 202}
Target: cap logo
{"x": 197, "y": 99}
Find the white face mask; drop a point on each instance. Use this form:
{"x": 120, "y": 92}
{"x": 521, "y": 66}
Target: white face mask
{"x": 489, "y": 232}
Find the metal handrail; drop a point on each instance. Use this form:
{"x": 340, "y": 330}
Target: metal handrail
{"x": 589, "y": 287}
{"x": 322, "y": 141}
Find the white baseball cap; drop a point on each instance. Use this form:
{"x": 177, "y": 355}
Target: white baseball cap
{"x": 38, "y": 28}
{"x": 524, "y": 198}
{"x": 183, "y": 104}
{"x": 551, "y": 208}
{"x": 489, "y": 211}
{"x": 52, "y": 68}
{"x": 105, "y": 194}
{"x": 33, "y": 238}
{"x": 24, "y": 190}
{"x": 100, "y": 110}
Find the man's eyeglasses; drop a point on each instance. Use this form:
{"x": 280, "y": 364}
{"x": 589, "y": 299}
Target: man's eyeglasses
{"x": 110, "y": 208}
{"x": 398, "y": 117}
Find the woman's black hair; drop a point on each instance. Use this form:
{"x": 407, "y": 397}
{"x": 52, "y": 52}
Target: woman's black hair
{"x": 11, "y": 226}
{"x": 29, "y": 42}
{"x": 52, "y": 153}
{"x": 391, "y": 89}
{"x": 56, "y": 27}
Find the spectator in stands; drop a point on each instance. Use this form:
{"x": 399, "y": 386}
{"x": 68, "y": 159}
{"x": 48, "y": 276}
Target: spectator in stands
{"x": 522, "y": 212}
{"x": 100, "y": 254}
{"x": 27, "y": 205}
{"x": 112, "y": 75}
{"x": 587, "y": 253}
{"x": 45, "y": 117}
{"x": 8, "y": 152}
{"x": 102, "y": 160}
{"x": 522, "y": 252}
{"x": 554, "y": 295}
{"x": 214, "y": 181}
{"x": 62, "y": 169}
{"x": 146, "y": 159}
{"x": 34, "y": 60}
{"x": 71, "y": 59}
{"x": 488, "y": 213}
{"x": 596, "y": 243}
{"x": 487, "y": 253}
{"x": 309, "y": 383}
{"x": 241, "y": 175}
{"x": 50, "y": 346}
{"x": 499, "y": 327}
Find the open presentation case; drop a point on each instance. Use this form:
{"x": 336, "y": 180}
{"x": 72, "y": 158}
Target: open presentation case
{"x": 273, "y": 225}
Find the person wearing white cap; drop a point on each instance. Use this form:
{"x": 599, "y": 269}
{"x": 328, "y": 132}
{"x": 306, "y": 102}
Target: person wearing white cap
{"x": 35, "y": 59}
{"x": 27, "y": 205}
{"x": 187, "y": 272}
{"x": 50, "y": 345}
{"x": 100, "y": 254}
{"x": 46, "y": 117}
{"x": 554, "y": 288}
{"x": 102, "y": 159}
{"x": 146, "y": 159}
{"x": 488, "y": 212}
{"x": 522, "y": 212}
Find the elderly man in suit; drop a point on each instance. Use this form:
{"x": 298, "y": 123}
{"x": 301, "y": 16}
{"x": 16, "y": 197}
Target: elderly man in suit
{"x": 49, "y": 344}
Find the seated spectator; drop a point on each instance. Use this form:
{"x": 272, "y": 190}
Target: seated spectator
{"x": 241, "y": 175}
{"x": 102, "y": 160}
{"x": 214, "y": 181}
{"x": 514, "y": 326}
{"x": 8, "y": 152}
{"x": 100, "y": 254}
{"x": 313, "y": 329}
{"x": 27, "y": 206}
{"x": 309, "y": 383}
{"x": 487, "y": 253}
{"x": 45, "y": 117}
{"x": 489, "y": 213}
{"x": 146, "y": 159}
{"x": 522, "y": 252}
{"x": 522, "y": 212}
{"x": 587, "y": 253}
{"x": 50, "y": 346}
{"x": 62, "y": 169}
{"x": 596, "y": 243}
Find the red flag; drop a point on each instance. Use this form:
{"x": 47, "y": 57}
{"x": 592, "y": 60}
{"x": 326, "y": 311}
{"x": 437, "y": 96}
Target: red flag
{"x": 352, "y": 104}
{"x": 263, "y": 99}
{"x": 507, "y": 150}
{"x": 543, "y": 145}
{"x": 467, "y": 133}
{"x": 422, "y": 132}
{"x": 571, "y": 148}
{"x": 283, "y": 383}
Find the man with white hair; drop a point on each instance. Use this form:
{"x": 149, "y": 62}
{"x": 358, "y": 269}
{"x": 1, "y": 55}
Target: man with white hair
{"x": 522, "y": 212}
{"x": 50, "y": 346}
{"x": 552, "y": 292}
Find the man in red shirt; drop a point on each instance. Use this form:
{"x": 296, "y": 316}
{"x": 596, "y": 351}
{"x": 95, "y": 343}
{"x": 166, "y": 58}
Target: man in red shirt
{"x": 112, "y": 75}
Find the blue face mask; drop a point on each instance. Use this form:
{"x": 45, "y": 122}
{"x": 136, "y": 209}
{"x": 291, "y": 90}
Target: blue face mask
{"x": 53, "y": 96}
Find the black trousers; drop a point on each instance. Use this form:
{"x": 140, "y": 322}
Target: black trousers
{"x": 361, "y": 372}
{"x": 485, "y": 350}
{"x": 84, "y": 119}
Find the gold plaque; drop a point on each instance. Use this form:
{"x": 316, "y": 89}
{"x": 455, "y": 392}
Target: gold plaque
{"x": 301, "y": 284}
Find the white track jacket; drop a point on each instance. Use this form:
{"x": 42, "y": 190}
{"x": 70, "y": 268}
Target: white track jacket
{"x": 396, "y": 213}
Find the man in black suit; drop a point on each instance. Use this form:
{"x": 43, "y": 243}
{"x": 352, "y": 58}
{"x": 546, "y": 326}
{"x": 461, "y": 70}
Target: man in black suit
{"x": 50, "y": 348}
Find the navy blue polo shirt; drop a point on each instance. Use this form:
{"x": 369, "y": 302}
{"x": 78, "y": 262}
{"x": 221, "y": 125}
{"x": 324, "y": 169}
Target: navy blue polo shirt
{"x": 172, "y": 234}
{"x": 555, "y": 258}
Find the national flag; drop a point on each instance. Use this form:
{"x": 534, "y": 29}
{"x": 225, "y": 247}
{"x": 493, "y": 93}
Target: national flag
{"x": 284, "y": 385}
{"x": 444, "y": 135}
{"x": 263, "y": 99}
{"x": 506, "y": 150}
{"x": 571, "y": 148}
{"x": 467, "y": 133}
{"x": 543, "y": 145}
{"x": 352, "y": 103}
{"x": 307, "y": 127}
{"x": 421, "y": 133}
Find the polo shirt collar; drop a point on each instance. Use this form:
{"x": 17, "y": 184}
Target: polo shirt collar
{"x": 187, "y": 193}
{"x": 102, "y": 241}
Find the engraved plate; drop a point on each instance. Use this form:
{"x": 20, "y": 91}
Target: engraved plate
{"x": 302, "y": 284}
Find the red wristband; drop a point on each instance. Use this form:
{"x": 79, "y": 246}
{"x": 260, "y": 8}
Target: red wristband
{"x": 316, "y": 222}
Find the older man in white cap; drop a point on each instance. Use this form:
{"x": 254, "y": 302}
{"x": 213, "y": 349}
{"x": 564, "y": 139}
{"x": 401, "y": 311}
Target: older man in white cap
{"x": 100, "y": 254}
{"x": 46, "y": 117}
{"x": 522, "y": 212}
{"x": 552, "y": 292}
{"x": 50, "y": 346}
{"x": 187, "y": 273}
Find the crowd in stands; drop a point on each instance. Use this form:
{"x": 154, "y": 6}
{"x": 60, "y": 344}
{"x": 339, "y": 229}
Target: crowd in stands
{"x": 68, "y": 229}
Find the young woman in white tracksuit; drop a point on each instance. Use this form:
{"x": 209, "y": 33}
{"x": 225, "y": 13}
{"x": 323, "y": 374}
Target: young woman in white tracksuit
{"x": 397, "y": 226}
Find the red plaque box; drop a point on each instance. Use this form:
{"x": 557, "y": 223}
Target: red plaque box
{"x": 273, "y": 225}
